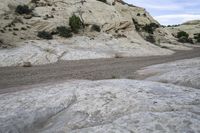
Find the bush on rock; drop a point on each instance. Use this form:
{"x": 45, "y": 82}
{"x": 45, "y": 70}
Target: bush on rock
{"x": 95, "y": 28}
{"x": 45, "y": 35}
{"x": 64, "y": 32}
{"x": 23, "y": 9}
{"x": 104, "y": 1}
{"x": 75, "y": 23}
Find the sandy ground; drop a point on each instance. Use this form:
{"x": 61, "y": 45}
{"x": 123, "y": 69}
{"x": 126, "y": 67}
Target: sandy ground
{"x": 13, "y": 77}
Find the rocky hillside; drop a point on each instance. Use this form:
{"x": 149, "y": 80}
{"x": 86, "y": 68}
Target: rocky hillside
{"x": 49, "y": 14}
{"x": 192, "y": 28}
{"x": 46, "y": 31}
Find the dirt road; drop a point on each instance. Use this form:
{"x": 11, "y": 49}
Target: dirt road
{"x": 84, "y": 69}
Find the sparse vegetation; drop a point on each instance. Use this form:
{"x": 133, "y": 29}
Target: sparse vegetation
{"x": 182, "y": 34}
{"x": 138, "y": 14}
{"x": 113, "y": 77}
{"x": 27, "y": 64}
{"x": 15, "y": 29}
{"x": 45, "y": 35}
{"x": 35, "y": 1}
{"x": 64, "y": 31}
{"x": 197, "y": 37}
{"x": 176, "y": 25}
{"x": 150, "y": 38}
{"x": 137, "y": 26}
{"x": 95, "y": 28}
{"x": 23, "y": 28}
{"x": 164, "y": 47}
{"x": 2, "y": 31}
{"x": 23, "y": 9}
{"x": 75, "y": 23}
{"x": 190, "y": 40}
{"x": 1, "y": 42}
{"x": 150, "y": 27}
{"x": 118, "y": 55}
{"x": 104, "y": 1}
{"x": 183, "y": 37}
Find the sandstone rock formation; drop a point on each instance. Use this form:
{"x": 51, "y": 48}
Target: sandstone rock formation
{"x": 184, "y": 72}
{"x": 124, "y": 32}
{"x": 191, "y": 27}
{"x": 103, "y": 46}
{"x": 109, "y": 17}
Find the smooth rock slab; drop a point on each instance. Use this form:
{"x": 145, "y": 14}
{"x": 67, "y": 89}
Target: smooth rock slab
{"x": 101, "y": 106}
{"x": 39, "y": 52}
{"x": 183, "y": 72}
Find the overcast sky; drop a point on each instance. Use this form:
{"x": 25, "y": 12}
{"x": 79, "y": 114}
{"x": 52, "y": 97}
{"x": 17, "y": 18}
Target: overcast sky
{"x": 170, "y": 11}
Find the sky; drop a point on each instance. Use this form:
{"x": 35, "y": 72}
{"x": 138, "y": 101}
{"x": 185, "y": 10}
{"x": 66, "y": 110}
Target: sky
{"x": 169, "y": 12}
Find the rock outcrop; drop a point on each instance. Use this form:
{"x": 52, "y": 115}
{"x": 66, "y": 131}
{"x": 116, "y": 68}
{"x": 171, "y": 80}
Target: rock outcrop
{"x": 103, "y": 46}
{"x": 126, "y": 30}
{"x": 47, "y": 15}
{"x": 101, "y": 106}
{"x": 117, "y": 37}
{"x": 184, "y": 73}
{"x": 190, "y": 27}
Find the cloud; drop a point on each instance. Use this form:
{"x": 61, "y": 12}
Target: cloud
{"x": 162, "y": 7}
{"x": 170, "y": 11}
{"x": 157, "y": 4}
{"x": 176, "y": 18}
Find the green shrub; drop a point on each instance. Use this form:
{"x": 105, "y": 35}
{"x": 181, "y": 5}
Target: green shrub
{"x": 182, "y": 34}
{"x": 190, "y": 41}
{"x": 138, "y": 14}
{"x": 197, "y": 37}
{"x": 164, "y": 47}
{"x": 183, "y": 37}
{"x": 150, "y": 27}
{"x": 113, "y": 77}
{"x": 45, "y": 35}
{"x": 64, "y": 31}
{"x": 35, "y": 1}
{"x": 151, "y": 39}
{"x": 23, "y": 9}
{"x": 137, "y": 26}
{"x": 75, "y": 23}
{"x": 104, "y": 1}
{"x": 95, "y": 28}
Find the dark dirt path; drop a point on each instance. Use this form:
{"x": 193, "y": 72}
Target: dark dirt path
{"x": 84, "y": 69}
